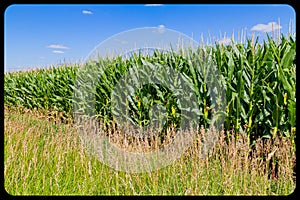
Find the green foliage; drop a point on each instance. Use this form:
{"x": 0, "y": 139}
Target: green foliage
{"x": 259, "y": 82}
{"x": 42, "y": 88}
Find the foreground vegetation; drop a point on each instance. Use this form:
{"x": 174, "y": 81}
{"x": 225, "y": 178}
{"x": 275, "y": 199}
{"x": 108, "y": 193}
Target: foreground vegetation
{"x": 44, "y": 158}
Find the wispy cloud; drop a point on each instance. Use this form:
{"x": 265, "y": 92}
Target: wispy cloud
{"x": 57, "y": 46}
{"x": 153, "y": 4}
{"x": 87, "y": 12}
{"x": 271, "y": 26}
{"x": 225, "y": 40}
{"x": 58, "y": 52}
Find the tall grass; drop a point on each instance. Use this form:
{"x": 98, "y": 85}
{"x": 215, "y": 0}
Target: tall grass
{"x": 44, "y": 158}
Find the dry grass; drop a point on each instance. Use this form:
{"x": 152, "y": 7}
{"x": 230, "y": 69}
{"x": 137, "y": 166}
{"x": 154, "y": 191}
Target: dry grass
{"x": 44, "y": 158}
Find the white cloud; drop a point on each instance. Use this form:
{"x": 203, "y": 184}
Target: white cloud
{"x": 58, "y": 52}
{"x": 87, "y": 12}
{"x": 57, "y": 46}
{"x": 225, "y": 40}
{"x": 161, "y": 28}
{"x": 153, "y": 4}
{"x": 271, "y": 26}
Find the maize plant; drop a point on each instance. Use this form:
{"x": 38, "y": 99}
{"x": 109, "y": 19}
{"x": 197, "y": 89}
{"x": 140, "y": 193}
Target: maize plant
{"x": 261, "y": 86}
{"x": 258, "y": 81}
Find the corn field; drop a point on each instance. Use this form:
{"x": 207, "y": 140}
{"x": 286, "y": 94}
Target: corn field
{"x": 259, "y": 81}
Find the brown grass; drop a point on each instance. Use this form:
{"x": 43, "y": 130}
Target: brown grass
{"x": 46, "y": 158}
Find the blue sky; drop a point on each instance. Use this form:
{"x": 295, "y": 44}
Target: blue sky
{"x": 44, "y": 35}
